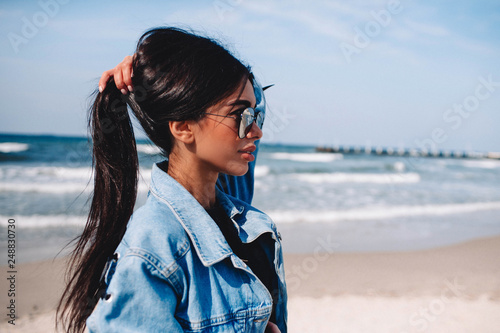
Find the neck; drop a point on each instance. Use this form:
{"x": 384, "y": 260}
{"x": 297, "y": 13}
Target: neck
{"x": 199, "y": 181}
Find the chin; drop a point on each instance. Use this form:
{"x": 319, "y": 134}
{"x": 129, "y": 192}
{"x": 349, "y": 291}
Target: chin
{"x": 236, "y": 170}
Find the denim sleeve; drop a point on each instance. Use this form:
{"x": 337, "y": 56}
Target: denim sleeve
{"x": 242, "y": 187}
{"x": 138, "y": 299}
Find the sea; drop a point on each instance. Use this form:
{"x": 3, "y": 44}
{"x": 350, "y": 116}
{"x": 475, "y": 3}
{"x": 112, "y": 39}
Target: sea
{"x": 320, "y": 202}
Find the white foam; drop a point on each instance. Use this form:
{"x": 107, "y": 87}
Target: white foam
{"x": 143, "y": 185}
{"x": 52, "y": 172}
{"x": 56, "y": 180}
{"x": 378, "y": 213}
{"x": 303, "y": 216}
{"x": 339, "y": 177}
{"x": 55, "y": 173}
{"x": 60, "y": 188}
{"x": 148, "y": 149}
{"x": 73, "y": 173}
{"x": 482, "y": 164}
{"x": 261, "y": 170}
{"x": 13, "y": 147}
{"x": 54, "y": 188}
{"x": 44, "y": 221}
{"x": 399, "y": 166}
{"x": 307, "y": 157}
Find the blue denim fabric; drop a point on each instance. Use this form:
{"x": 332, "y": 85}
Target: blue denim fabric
{"x": 175, "y": 271}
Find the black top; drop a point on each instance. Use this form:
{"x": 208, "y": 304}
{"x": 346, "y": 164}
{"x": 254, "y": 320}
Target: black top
{"x": 253, "y": 254}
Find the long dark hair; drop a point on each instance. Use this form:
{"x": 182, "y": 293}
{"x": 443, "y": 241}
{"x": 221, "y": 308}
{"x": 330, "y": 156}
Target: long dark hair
{"x": 177, "y": 76}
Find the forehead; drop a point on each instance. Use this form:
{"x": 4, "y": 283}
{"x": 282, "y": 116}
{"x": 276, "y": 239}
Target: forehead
{"x": 242, "y": 97}
{"x": 248, "y": 93}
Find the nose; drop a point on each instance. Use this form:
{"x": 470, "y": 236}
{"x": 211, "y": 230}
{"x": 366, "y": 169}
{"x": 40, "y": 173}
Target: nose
{"x": 255, "y": 132}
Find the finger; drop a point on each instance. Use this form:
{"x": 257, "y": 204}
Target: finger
{"x": 128, "y": 73}
{"x": 104, "y": 79}
{"x": 128, "y": 60}
{"x": 119, "y": 81}
{"x": 127, "y": 76}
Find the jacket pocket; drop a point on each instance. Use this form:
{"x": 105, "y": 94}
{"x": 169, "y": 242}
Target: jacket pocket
{"x": 257, "y": 323}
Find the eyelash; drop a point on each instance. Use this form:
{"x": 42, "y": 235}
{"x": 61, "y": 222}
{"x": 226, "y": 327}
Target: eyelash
{"x": 237, "y": 112}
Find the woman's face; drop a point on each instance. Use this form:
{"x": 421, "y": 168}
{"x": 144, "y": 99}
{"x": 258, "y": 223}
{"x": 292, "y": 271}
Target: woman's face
{"x": 218, "y": 146}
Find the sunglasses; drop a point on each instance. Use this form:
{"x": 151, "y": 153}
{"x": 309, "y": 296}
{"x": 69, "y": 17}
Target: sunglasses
{"x": 245, "y": 120}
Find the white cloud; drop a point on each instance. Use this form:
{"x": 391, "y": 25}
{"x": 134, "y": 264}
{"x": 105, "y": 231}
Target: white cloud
{"x": 97, "y": 28}
{"x": 311, "y": 16}
{"x": 355, "y": 11}
{"x": 476, "y": 46}
{"x": 427, "y": 29}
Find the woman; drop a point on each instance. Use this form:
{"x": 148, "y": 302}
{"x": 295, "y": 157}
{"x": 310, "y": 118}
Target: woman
{"x": 193, "y": 258}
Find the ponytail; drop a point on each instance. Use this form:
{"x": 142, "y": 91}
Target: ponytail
{"x": 177, "y": 76}
{"x": 115, "y": 168}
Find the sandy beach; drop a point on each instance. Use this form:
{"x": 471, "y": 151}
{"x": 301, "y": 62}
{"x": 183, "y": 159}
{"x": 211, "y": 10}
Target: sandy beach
{"x": 449, "y": 289}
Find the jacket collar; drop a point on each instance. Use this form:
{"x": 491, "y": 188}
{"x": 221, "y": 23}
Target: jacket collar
{"x": 205, "y": 235}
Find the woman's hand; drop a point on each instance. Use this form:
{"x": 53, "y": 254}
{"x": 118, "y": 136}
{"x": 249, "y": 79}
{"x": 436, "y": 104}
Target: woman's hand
{"x": 272, "y": 328}
{"x": 122, "y": 75}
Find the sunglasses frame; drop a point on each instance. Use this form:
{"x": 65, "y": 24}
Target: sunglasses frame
{"x": 245, "y": 120}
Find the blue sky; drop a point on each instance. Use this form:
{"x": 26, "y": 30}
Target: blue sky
{"x": 390, "y": 73}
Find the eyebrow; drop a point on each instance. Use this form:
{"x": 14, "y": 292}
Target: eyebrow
{"x": 243, "y": 102}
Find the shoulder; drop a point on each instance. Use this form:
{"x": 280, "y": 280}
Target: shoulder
{"x": 155, "y": 234}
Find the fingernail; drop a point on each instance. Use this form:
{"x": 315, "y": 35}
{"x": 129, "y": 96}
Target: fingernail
{"x": 130, "y": 88}
{"x": 100, "y": 89}
{"x": 123, "y": 91}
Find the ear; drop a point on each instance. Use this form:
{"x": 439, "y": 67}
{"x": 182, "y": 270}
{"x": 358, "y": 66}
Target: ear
{"x": 182, "y": 131}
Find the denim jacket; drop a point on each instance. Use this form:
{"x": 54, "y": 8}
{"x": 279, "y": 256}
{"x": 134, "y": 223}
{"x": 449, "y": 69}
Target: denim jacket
{"x": 175, "y": 272}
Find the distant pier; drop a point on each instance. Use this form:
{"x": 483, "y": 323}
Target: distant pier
{"x": 388, "y": 151}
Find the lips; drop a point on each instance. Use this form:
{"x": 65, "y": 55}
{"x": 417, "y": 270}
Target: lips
{"x": 248, "y": 150}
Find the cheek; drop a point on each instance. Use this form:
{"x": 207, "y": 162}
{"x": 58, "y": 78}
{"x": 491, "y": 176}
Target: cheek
{"x": 219, "y": 146}
{"x": 224, "y": 156}
{"x": 224, "y": 138}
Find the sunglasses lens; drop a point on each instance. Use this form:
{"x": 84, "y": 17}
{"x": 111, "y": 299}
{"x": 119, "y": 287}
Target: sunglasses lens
{"x": 246, "y": 122}
{"x": 247, "y": 119}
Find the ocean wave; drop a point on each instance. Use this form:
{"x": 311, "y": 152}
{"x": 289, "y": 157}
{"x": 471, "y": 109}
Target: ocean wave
{"x": 53, "y": 172}
{"x": 45, "y": 172}
{"x": 61, "y": 187}
{"x": 377, "y": 178}
{"x": 303, "y": 216}
{"x": 481, "y": 164}
{"x": 307, "y": 157}
{"x": 54, "y": 188}
{"x": 148, "y": 149}
{"x": 261, "y": 170}
{"x": 45, "y": 221}
{"x": 13, "y": 147}
{"x": 68, "y": 180}
{"x": 378, "y": 213}
{"x": 399, "y": 166}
